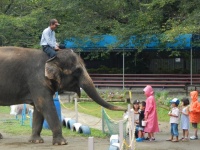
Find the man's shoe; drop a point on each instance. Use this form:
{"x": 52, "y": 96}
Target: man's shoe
{"x": 52, "y": 58}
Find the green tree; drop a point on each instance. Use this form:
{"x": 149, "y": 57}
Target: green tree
{"x": 22, "y": 21}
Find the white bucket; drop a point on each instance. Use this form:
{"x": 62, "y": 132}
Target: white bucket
{"x": 114, "y": 137}
{"x": 144, "y": 123}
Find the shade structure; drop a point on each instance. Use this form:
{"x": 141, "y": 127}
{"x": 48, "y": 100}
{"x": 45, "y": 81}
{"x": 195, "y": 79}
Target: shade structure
{"x": 148, "y": 42}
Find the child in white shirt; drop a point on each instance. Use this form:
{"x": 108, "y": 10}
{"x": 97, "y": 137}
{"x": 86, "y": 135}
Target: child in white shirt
{"x": 174, "y": 119}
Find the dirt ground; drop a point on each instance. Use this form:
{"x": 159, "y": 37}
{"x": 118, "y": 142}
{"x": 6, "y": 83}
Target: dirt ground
{"x": 74, "y": 143}
{"x": 81, "y": 143}
{"x": 162, "y": 144}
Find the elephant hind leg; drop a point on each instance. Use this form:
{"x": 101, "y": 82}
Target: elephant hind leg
{"x": 1, "y": 136}
{"x": 38, "y": 120}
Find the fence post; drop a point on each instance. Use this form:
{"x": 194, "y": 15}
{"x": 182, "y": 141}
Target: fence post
{"x": 121, "y": 135}
{"x": 133, "y": 130}
{"x": 129, "y": 122}
{"x": 76, "y": 109}
{"x": 23, "y": 114}
{"x": 90, "y": 143}
{"x": 102, "y": 116}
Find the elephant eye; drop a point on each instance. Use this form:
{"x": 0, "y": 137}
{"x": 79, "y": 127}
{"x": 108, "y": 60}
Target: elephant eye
{"x": 67, "y": 71}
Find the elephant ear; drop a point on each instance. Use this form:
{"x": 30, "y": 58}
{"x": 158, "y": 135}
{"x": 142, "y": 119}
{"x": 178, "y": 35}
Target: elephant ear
{"x": 52, "y": 71}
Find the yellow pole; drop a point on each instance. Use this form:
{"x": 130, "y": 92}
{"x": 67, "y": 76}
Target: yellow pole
{"x": 130, "y": 95}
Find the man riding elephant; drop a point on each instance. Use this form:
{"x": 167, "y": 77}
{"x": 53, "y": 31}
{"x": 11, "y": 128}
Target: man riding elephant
{"x": 34, "y": 81}
{"x": 48, "y": 40}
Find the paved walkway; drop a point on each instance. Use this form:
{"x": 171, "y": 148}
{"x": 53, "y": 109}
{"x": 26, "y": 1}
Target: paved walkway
{"x": 91, "y": 121}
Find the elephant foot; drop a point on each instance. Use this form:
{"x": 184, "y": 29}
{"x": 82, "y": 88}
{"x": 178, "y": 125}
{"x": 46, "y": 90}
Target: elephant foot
{"x": 59, "y": 141}
{"x": 1, "y": 136}
{"x": 36, "y": 139}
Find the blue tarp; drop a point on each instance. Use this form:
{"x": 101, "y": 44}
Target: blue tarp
{"x": 147, "y": 42}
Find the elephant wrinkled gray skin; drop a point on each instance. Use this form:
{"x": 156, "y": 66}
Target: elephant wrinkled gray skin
{"x": 25, "y": 77}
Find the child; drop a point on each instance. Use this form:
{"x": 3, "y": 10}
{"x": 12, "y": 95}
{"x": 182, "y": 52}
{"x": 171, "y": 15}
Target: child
{"x": 141, "y": 118}
{"x": 174, "y": 119}
{"x": 136, "y": 115}
{"x": 194, "y": 113}
{"x": 185, "y": 122}
{"x": 150, "y": 113}
{"x": 135, "y": 109}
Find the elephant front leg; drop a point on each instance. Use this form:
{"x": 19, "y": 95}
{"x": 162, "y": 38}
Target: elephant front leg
{"x": 47, "y": 108}
{"x": 37, "y": 127}
{"x": 55, "y": 125}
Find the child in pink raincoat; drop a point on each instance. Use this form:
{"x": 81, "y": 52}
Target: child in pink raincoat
{"x": 150, "y": 113}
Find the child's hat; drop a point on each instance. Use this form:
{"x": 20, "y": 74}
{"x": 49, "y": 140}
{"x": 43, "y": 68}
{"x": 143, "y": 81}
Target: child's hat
{"x": 175, "y": 100}
{"x": 136, "y": 101}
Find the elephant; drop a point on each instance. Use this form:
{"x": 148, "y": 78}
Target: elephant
{"x": 27, "y": 77}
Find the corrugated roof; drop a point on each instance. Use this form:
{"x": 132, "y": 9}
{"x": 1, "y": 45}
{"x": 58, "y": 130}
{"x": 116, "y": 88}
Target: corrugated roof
{"x": 147, "y": 42}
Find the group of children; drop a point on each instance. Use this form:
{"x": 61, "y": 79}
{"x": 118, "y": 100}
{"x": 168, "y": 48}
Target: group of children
{"x": 139, "y": 110}
{"x": 145, "y": 111}
{"x": 190, "y": 113}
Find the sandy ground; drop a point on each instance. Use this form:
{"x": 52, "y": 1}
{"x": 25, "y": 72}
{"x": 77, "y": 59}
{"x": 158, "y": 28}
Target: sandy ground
{"x": 162, "y": 144}
{"x": 75, "y": 143}
{"x": 81, "y": 143}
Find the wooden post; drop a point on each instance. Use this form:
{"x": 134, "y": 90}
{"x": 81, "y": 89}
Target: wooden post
{"x": 121, "y": 135}
{"x": 102, "y": 116}
{"x": 23, "y": 114}
{"x": 133, "y": 129}
{"x": 129, "y": 123}
{"x": 76, "y": 109}
{"x": 90, "y": 143}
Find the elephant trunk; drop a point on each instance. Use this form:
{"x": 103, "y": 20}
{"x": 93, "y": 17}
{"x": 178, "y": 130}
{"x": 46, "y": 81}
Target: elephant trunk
{"x": 87, "y": 85}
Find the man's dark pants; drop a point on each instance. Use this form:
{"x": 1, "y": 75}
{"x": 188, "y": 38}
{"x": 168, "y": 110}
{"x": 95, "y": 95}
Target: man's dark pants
{"x": 50, "y": 51}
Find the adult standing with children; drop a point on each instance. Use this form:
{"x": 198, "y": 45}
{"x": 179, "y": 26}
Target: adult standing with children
{"x": 194, "y": 113}
{"x": 150, "y": 113}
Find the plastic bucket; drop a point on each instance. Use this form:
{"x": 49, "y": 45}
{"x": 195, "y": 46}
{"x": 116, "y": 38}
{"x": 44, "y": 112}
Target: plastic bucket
{"x": 76, "y": 127}
{"x": 58, "y": 110}
{"x": 114, "y": 141}
{"x": 144, "y": 123}
{"x": 70, "y": 124}
{"x": 112, "y": 147}
{"x": 85, "y": 130}
{"x": 114, "y": 136}
{"x": 65, "y": 121}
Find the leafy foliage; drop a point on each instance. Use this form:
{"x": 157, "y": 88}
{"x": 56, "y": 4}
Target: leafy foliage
{"x": 163, "y": 99}
{"x": 22, "y": 21}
